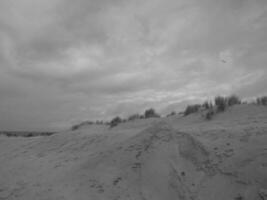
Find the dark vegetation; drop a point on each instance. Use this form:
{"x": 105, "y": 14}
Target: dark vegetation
{"x": 233, "y": 100}
{"x": 207, "y": 105}
{"x": 209, "y": 114}
{"x": 171, "y": 114}
{"x": 208, "y": 109}
{"x": 25, "y": 133}
{"x": 134, "y": 117}
{"x": 262, "y": 100}
{"x": 192, "y": 109}
{"x": 149, "y": 113}
{"x": 220, "y": 104}
{"x": 77, "y": 126}
{"x": 98, "y": 122}
{"x": 115, "y": 121}
{"x": 223, "y": 102}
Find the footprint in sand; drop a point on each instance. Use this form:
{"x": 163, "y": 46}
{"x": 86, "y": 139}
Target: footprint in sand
{"x": 117, "y": 180}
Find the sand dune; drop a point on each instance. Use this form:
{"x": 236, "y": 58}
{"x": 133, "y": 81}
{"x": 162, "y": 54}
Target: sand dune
{"x": 154, "y": 159}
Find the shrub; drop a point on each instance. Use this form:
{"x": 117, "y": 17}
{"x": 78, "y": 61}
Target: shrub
{"x": 99, "y": 122}
{"x": 233, "y": 100}
{"x": 171, "y": 114}
{"x": 107, "y": 123}
{"x": 77, "y": 126}
{"x": 151, "y": 113}
{"x": 29, "y": 135}
{"x": 74, "y": 127}
{"x": 209, "y": 114}
{"x": 258, "y": 101}
{"x": 115, "y": 121}
{"x": 134, "y": 117}
{"x": 206, "y": 105}
{"x": 221, "y": 103}
{"x": 262, "y": 100}
{"x": 191, "y": 109}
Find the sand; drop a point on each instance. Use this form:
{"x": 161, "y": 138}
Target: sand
{"x": 151, "y": 159}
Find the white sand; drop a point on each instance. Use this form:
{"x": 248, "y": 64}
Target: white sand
{"x": 155, "y": 159}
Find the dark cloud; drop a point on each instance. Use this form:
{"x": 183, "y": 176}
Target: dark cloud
{"x": 63, "y": 61}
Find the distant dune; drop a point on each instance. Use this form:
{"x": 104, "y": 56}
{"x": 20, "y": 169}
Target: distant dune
{"x": 174, "y": 158}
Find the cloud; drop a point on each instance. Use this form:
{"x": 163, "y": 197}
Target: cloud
{"x": 64, "y": 61}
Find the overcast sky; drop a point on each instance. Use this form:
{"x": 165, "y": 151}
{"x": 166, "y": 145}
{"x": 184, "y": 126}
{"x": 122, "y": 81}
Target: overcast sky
{"x": 62, "y": 61}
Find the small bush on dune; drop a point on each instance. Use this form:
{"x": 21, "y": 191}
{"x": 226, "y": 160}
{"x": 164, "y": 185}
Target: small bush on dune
{"x": 206, "y": 105}
{"x": 233, "y": 100}
{"x": 208, "y": 109}
{"x": 171, "y": 114}
{"x": 262, "y": 100}
{"x": 142, "y": 117}
{"x": 151, "y": 113}
{"x": 77, "y": 126}
{"x": 74, "y": 127}
{"x": 134, "y": 117}
{"x": 221, "y": 103}
{"x": 191, "y": 109}
{"x": 209, "y": 114}
{"x": 99, "y": 122}
{"x": 115, "y": 121}
{"x": 29, "y": 135}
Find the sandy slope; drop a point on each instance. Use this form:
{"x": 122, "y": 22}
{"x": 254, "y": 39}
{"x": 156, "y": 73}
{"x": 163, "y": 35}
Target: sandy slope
{"x": 155, "y": 159}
